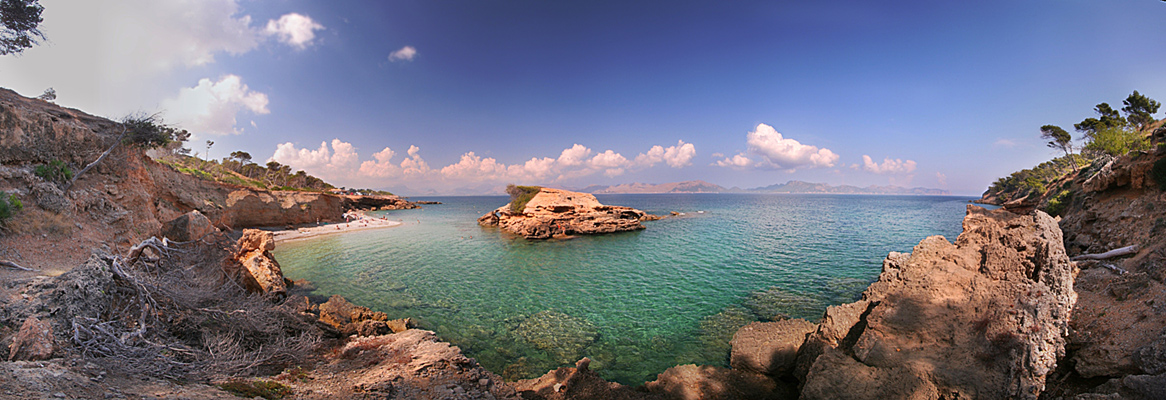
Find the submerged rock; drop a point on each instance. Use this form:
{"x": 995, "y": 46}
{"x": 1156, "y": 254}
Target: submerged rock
{"x": 555, "y": 212}
{"x": 562, "y": 336}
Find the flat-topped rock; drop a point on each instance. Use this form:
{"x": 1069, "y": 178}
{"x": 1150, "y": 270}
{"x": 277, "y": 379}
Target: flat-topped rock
{"x": 556, "y": 212}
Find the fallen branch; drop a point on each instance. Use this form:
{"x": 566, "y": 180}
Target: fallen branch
{"x": 1114, "y": 268}
{"x": 98, "y": 160}
{"x": 13, "y": 265}
{"x": 1109, "y": 254}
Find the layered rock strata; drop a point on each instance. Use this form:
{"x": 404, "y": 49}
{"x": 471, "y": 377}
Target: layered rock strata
{"x": 556, "y": 212}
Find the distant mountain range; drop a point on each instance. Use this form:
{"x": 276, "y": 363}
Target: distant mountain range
{"x": 788, "y": 187}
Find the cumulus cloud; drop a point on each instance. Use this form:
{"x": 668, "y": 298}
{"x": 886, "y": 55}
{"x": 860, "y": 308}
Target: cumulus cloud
{"x": 787, "y": 153}
{"x": 212, "y": 107}
{"x": 340, "y": 163}
{"x": 404, "y": 54}
{"x": 889, "y": 166}
{"x": 676, "y": 156}
{"x": 770, "y": 149}
{"x": 941, "y": 178}
{"x": 293, "y": 29}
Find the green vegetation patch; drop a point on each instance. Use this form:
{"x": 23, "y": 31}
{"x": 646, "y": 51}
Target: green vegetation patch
{"x": 1119, "y": 140}
{"x": 1158, "y": 173}
{"x": 269, "y": 390}
{"x": 1058, "y": 203}
{"x": 55, "y": 171}
{"x": 9, "y": 205}
{"x": 520, "y": 195}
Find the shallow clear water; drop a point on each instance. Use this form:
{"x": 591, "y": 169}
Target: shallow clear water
{"x": 636, "y": 303}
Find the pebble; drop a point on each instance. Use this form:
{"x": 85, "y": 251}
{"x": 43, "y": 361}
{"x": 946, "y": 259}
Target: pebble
{"x": 59, "y": 395}
{"x": 484, "y": 382}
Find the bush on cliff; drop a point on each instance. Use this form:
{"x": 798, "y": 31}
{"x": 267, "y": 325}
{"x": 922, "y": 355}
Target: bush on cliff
{"x": 1158, "y": 173}
{"x": 9, "y": 205}
{"x": 55, "y": 171}
{"x": 1117, "y": 141}
{"x": 148, "y": 132}
{"x": 520, "y": 195}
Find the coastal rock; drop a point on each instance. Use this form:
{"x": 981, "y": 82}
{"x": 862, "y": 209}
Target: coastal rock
{"x": 769, "y": 348}
{"x": 190, "y": 226}
{"x": 692, "y": 382}
{"x": 555, "y": 212}
{"x": 33, "y": 342}
{"x": 982, "y": 318}
{"x": 245, "y": 207}
{"x": 260, "y": 272}
{"x": 377, "y": 203}
{"x": 577, "y": 382}
{"x": 351, "y": 319}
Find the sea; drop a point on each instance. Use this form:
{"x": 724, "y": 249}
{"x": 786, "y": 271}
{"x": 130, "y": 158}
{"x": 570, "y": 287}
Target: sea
{"x": 635, "y": 303}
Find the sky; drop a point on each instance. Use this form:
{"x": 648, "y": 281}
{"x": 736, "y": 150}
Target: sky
{"x": 463, "y": 97}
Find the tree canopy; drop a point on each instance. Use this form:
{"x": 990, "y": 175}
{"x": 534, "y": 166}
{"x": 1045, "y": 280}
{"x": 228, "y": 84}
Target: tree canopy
{"x": 18, "y": 25}
{"x": 1140, "y": 109}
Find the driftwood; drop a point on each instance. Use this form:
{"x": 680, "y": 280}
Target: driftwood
{"x": 1114, "y": 268}
{"x": 124, "y": 129}
{"x": 11, "y": 264}
{"x": 1109, "y": 254}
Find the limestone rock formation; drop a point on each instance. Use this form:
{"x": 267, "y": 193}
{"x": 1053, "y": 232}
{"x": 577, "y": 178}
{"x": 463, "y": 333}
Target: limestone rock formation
{"x": 985, "y": 317}
{"x": 693, "y": 382}
{"x": 769, "y": 348}
{"x": 377, "y": 203}
{"x": 260, "y": 272}
{"x": 554, "y": 212}
{"x": 33, "y": 342}
{"x": 351, "y": 319}
{"x": 190, "y": 226}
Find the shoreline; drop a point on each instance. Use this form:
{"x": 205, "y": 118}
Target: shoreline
{"x": 361, "y": 223}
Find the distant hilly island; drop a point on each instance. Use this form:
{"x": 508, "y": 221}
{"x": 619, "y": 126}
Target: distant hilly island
{"x": 788, "y": 187}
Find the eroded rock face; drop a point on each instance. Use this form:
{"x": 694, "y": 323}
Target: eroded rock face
{"x": 769, "y": 348}
{"x": 559, "y": 212}
{"x": 190, "y": 226}
{"x": 260, "y": 273}
{"x": 351, "y": 319}
{"x": 245, "y": 207}
{"x": 985, "y": 317}
{"x": 33, "y": 342}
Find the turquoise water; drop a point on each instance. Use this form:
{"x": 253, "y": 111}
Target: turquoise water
{"x": 636, "y": 303}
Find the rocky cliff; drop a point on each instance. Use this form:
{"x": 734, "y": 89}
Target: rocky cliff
{"x": 556, "y": 212}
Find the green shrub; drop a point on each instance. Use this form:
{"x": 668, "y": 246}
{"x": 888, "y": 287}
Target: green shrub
{"x": 9, "y": 205}
{"x": 1158, "y": 173}
{"x": 520, "y": 195}
{"x": 55, "y": 171}
{"x": 269, "y": 390}
{"x": 1058, "y": 203}
{"x": 1117, "y": 141}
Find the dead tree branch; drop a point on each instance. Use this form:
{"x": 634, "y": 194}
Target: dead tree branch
{"x": 1109, "y": 254}
{"x": 98, "y": 160}
{"x": 11, "y": 264}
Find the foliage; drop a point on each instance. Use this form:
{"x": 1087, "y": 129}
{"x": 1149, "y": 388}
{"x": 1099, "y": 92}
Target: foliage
{"x": 50, "y": 94}
{"x": 1109, "y": 118}
{"x": 54, "y": 171}
{"x": 1058, "y": 203}
{"x": 270, "y": 390}
{"x": 238, "y": 170}
{"x": 19, "y": 20}
{"x": 1140, "y": 109}
{"x": 1158, "y": 173}
{"x": 148, "y": 132}
{"x": 1117, "y": 141}
{"x": 1034, "y": 181}
{"x": 1058, "y": 139}
{"x": 520, "y": 195}
{"x": 9, "y": 205}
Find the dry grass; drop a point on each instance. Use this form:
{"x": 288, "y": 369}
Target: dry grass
{"x": 35, "y": 221}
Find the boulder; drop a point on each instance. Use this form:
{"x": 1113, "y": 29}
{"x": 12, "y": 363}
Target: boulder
{"x": 190, "y": 226}
{"x": 33, "y": 342}
{"x": 351, "y": 319}
{"x": 260, "y": 272}
{"x": 555, "y": 212}
{"x": 577, "y": 382}
{"x": 984, "y": 317}
{"x": 693, "y": 382}
{"x": 50, "y": 197}
{"x": 769, "y": 348}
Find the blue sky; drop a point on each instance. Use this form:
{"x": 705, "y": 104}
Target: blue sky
{"x": 466, "y": 96}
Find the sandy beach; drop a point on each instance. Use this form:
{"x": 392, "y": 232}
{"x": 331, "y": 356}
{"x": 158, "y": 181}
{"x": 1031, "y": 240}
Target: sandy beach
{"x": 360, "y": 222}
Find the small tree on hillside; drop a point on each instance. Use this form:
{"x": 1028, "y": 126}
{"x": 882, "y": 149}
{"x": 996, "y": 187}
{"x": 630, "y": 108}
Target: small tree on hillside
{"x": 1108, "y": 118}
{"x": 50, "y": 94}
{"x": 1059, "y": 139}
{"x": 18, "y": 25}
{"x": 1140, "y": 109}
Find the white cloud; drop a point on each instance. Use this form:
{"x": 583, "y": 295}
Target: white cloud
{"x": 574, "y": 155}
{"x": 780, "y": 152}
{"x": 212, "y": 107}
{"x": 676, "y": 156}
{"x": 738, "y": 161}
{"x": 472, "y": 166}
{"x": 1004, "y": 143}
{"x": 293, "y": 29}
{"x": 404, "y": 54}
{"x": 941, "y": 178}
{"x": 889, "y": 166}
